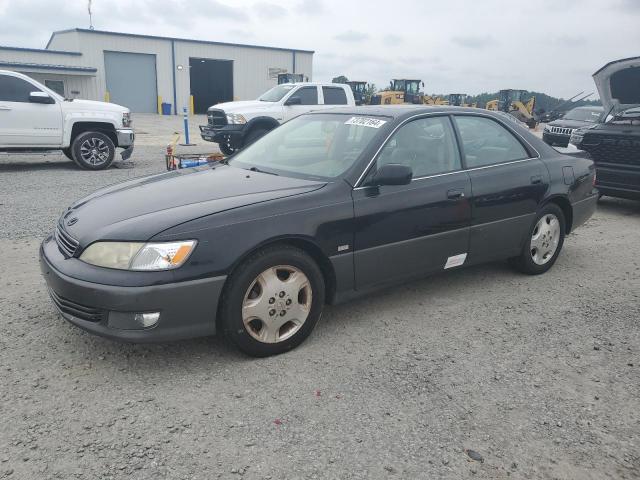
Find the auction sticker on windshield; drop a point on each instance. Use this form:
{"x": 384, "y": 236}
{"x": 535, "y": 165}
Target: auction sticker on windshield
{"x": 366, "y": 122}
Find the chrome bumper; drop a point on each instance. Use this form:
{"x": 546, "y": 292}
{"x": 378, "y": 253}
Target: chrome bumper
{"x": 125, "y": 137}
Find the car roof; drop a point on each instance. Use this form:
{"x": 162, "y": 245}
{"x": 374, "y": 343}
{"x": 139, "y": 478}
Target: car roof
{"x": 397, "y": 111}
{"x": 590, "y": 107}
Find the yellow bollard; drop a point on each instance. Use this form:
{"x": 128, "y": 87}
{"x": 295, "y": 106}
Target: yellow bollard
{"x": 159, "y": 105}
{"x": 191, "y": 108}
{"x": 107, "y": 97}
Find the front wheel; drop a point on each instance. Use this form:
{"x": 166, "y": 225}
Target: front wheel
{"x": 544, "y": 242}
{"x": 226, "y": 146}
{"x": 93, "y": 151}
{"x": 273, "y": 301}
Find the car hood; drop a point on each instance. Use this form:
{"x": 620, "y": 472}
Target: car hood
{"x": 138, "y": 209}
{"x": 618, "y": 84}
{"x": 566, "y": 123}
{"x": 93, "y": 106}
{"x": 247, "y": 106}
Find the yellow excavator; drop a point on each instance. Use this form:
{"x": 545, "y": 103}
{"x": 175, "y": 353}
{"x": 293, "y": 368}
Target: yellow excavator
{"x": 460, "y": 100}
{"x": 405, "y": 91}
{"x": 512, "y": 102}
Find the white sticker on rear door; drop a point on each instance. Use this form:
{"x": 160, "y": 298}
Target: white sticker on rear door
{"x": 366, "y": 122}
{"x": 455, "y": 261}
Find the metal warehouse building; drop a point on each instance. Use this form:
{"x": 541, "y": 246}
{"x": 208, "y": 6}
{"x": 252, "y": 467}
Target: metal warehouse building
{"x": 143, "y": 71}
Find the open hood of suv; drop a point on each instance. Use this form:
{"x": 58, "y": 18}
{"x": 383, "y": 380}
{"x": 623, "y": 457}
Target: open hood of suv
{"x": 618, "y": 84}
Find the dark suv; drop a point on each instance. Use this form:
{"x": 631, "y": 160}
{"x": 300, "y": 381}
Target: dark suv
{"x": 558, "y": 132}
{"x": 614, "y": 145}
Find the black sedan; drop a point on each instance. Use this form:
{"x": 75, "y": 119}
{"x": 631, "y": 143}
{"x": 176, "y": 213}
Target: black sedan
{"x": 328, "y": 206}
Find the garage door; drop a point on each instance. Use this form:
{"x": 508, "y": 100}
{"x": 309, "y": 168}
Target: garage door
{"x": 131, "y": 80}
{"x": 211, "y": 82}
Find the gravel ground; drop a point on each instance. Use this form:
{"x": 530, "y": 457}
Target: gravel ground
{"x": 479, "y": 373}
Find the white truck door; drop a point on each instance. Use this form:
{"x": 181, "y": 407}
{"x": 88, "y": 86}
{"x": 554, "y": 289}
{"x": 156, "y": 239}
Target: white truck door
{"x": 308, "y": 96}
{"x": 24, "y": 123}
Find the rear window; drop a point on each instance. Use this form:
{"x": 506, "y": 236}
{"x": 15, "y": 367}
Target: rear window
{"x": 334, "y": 96}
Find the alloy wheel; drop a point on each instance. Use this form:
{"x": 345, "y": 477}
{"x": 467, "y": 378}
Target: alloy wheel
{"x": 94, "y": 151}
{"x": 276, "y": 304}
{"x": 545, "y": 239}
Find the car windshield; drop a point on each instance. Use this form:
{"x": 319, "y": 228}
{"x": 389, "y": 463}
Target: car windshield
{"x": 276, "y": 93}
{"x": 316, "y": 146}
{"x": 584, "y": 115}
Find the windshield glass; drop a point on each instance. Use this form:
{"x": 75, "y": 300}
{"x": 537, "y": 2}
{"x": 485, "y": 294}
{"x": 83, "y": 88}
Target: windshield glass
{"x": 276, "y": 93}
{"x": 584, "y": 115}
{"x": 320, "y": 146}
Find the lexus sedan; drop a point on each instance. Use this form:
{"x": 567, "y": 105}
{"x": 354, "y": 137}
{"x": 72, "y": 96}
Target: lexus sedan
{"x": 328, "y": 206}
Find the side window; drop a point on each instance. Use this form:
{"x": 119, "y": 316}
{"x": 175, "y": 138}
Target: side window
{"x": 14, "y": 89}
{"x": 334, "y": 96}
{"x": 486, "y": 142}
{"x": 308, "y": 95}
{"x": 427, "y": 145}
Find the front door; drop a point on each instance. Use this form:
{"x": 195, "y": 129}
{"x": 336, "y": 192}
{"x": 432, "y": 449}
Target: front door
{"x": 508, "y": 185}
{"x": 411, "y": 230}
{"x": 26, "y": 124}
{"x": 308, "y": 96}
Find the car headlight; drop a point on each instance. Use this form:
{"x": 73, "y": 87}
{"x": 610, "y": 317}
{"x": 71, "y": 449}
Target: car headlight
{"x": 126, "y": 119}
{"x": 138, "y": 256}
{"x": 235, "y": 119}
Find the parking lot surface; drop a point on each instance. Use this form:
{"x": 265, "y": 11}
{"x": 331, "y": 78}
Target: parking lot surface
{"x": 481, "y": 372}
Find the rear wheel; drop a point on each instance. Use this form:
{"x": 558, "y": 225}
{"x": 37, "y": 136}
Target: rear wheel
{"x": 93, "y": 150}
{"x": 544, "y": 242}
{"x": 273, "y": 301}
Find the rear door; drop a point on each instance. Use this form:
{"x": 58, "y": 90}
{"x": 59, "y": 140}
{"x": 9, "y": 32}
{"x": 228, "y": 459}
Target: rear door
{"x": 508, "y": 182}
{"x": 26, "y": 124}
{"x": 409, "y": 230}
{"x": 308, "y": 96}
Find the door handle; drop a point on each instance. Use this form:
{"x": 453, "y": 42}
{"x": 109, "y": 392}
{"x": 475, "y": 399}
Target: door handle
{"x": 455, "y": 194}
{"x": 536, "y": 179}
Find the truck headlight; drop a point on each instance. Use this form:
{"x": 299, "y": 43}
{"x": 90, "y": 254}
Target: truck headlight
{"x": 235, "y": 119}
{"x": 138, "y": 256}
{"x": 126, "y": 119}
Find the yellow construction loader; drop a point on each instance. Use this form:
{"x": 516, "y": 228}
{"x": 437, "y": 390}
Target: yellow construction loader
{"x": 405, "y": 91}
{"x": 460, "y": 100}
{"x": 511, "y": 101}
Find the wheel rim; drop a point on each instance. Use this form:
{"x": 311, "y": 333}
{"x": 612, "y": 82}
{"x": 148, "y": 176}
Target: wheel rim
{"x": 545, "y": 239}
{"x": 94, "y": 151}
{"x": 276, "y": 304}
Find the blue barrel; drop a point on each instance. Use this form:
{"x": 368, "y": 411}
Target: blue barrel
{"x": 166, "y": 108}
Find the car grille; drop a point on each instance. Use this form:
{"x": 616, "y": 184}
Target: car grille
{"x": 66, "y": 243}
{"x": 617, "y": 149}
{"x": 216, "y": 118}
{"x": 77, "y": 310}
{"x": 561, "y": 130}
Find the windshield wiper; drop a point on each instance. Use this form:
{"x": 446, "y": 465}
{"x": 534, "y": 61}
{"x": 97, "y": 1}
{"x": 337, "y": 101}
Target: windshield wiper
{"x": 256, "y": 169}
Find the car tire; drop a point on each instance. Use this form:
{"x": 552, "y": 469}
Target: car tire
{"x": 226, "y": 147}
{"x": 93, "y": 151}
{"x": 544, "y": 241}
{"x": 254, "y": 135}
{"x": 272, "y": 301}
{"x": 68, "y": 154}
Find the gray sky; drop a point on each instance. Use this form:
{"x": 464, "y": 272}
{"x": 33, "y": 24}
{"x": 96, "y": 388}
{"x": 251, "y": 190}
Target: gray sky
{"x": 452, "y": 45}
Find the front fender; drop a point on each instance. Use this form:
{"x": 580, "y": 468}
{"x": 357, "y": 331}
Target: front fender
{"x": 70, "y": 119}
{"x": 268, "y": 122}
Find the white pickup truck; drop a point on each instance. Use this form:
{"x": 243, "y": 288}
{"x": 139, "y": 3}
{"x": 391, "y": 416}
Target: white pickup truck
{"x": 35, "y": 119}
{"x": 234, "y": 125}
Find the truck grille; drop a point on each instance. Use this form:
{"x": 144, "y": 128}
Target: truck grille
{"x": 216, "y": 118}
{"x": 66, "y": 243}
{"x": 618, "y": 149}
{"x": 77, "y": 310}
{"x": 561, "y": 130}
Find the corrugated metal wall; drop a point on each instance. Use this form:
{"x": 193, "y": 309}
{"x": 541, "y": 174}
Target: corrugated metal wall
{"x": 251, "y": 66}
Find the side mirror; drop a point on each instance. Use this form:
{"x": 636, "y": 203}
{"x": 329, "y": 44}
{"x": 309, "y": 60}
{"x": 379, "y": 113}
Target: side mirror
{"x": 393, "y": 174}
{"x": 293, "y": 101}
{"x": 40, "y": 97}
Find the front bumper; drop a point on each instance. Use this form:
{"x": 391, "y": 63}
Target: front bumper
{"x": 125, "y": 137}
{"x": 187, "y": 309}
{"x": 555, "y": 139}
{"x": 221, "y": 134}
